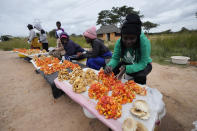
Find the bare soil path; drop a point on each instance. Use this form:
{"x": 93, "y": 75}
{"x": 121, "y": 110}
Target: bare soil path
{"x": 27, "y": 104}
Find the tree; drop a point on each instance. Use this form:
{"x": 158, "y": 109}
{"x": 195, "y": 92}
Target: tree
{"x": 115, "y": 16}
{"x": 52, "y": 33}
{"x": 183, "y": 29}
{"x": 104, "y": 18}
{"x": 149, "y": 25}
{"x": 37, "y": 34}
{"x": 73, "y": 35}
{"x": 166, "y": 31}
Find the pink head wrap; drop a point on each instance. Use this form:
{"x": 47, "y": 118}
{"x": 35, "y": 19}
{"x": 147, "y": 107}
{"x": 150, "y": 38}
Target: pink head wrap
{"x": 90, "y": 33}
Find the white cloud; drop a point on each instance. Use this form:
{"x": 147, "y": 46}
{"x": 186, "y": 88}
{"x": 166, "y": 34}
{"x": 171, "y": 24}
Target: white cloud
{"x": 76, "y": 16}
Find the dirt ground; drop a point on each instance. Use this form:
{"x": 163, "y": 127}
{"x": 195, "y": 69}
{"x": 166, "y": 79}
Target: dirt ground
{"x": 27, "y": 104}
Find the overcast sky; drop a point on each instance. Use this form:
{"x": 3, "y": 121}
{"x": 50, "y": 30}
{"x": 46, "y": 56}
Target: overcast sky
{"x": 78, "y": 15}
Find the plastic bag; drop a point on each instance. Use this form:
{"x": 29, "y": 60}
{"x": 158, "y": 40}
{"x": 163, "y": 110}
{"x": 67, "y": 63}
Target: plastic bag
{"x": 63, "y": 58}
{"x": 195, "y": 124}
{"x": 37, "y": 24}
{"x": 155, "y": 97}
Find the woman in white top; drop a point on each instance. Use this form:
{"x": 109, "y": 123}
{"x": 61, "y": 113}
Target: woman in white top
{"x": 33, "y": 39}
{"x": 59, "y": 50}
{"x": 43, "y": 40}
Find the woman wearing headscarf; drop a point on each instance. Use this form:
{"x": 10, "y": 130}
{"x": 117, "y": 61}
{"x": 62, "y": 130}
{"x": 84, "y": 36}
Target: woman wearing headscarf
{"x": 96, "y": 57}
{"x": 72, "y": 49}
{"x": 131, "y": 52}
{"x": 33, "y": 39}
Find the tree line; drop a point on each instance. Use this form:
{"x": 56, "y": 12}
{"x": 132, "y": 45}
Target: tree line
{"x": 116, "y": 16}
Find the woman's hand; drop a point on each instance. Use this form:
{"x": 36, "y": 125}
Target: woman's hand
{"x": 108, "y": 69}
{"x": 122, "y": 71}
{"x": 56, "y": 49}
{"x": 122, "y": 68}
{"x": 79, "y": 54}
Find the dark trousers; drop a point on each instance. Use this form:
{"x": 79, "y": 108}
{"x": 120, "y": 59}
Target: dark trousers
{"x": 139, "y": 77}
{"x": 45, "y": 46}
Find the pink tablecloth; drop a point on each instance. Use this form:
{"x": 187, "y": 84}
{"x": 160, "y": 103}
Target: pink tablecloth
{"x": 153, "y": 98}
{"x": 90, "y": 106}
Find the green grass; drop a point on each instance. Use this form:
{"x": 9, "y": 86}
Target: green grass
{"x": 22, "y": 43}
{"x": 81, "y": 41}
{"x": 14, "y": 43}
{"x": 162, "y": 46}
{"x": 184, "y": 44}
{"x": 52, "y": 41}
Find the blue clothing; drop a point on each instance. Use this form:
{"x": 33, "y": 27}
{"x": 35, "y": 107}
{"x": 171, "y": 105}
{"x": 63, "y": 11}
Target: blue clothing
{"x": 72, "y": 48}
{"x": 98, "y": 62}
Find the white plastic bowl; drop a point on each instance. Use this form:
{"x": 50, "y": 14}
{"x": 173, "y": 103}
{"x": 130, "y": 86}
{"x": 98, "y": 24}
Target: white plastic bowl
{"x": 180, "y": 59}
{"x": 88, "y": 114}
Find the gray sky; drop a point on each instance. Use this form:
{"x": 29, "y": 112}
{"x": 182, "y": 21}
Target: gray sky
{"x": 78, "y": 15}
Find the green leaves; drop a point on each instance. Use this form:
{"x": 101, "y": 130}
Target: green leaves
{"x": 52, "y": 33}
{"x": 149, "y": 25}
{"x": 115, "y": 16}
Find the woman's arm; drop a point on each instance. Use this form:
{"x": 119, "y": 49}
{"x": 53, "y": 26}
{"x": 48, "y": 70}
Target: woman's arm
{"x": 116, "y": 55}
{"x": 59, "y": 48}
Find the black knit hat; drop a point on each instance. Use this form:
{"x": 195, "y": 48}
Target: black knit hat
{"x": 132, "y": 25}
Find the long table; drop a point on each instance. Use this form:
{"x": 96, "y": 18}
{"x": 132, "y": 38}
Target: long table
{"x": 51, "y": 77}
{"x": 31, "y": 56}
{"x": 153, "y": 98}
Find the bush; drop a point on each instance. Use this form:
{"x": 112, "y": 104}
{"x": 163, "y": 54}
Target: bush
{"x": 52, "y": 33}
{"x": 5, "y": 38}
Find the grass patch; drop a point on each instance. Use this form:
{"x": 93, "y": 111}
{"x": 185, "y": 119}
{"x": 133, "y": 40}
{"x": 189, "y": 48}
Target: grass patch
{"x": 184, "y": 44}
{"x": 162, "y": 46}
{"x": 81, "y": 41}
{"x": 22, "y": 43}
{"x": 52, "y": 41}
{"x": 14, "y": 43}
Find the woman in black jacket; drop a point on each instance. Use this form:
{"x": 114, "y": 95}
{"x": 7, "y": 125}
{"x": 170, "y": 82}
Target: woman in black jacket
{"x": 72, "y": 49}
{"x": 96, "y": 57}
